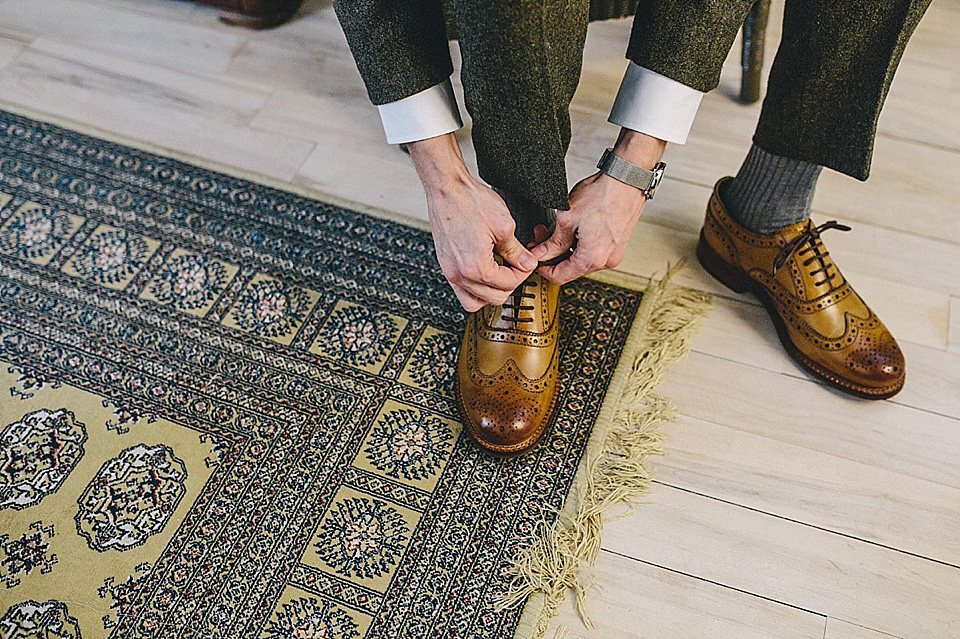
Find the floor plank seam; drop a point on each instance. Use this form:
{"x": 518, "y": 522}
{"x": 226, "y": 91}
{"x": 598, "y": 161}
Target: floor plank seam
{"x": 808, "y": 525}
{"x": 713, "y": 582}
{"x": 799, "y": 375}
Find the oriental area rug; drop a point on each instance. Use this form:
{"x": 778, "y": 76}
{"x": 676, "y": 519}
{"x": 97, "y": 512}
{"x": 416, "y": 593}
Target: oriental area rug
{"x": 226, "y": 412}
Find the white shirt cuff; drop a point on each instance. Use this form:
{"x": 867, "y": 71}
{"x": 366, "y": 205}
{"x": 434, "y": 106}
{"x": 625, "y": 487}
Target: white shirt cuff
{"x": 423, "y": 115}
{"x": 655, "y": 104}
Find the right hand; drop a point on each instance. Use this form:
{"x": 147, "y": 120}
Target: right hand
{"x": 470, "y": 223}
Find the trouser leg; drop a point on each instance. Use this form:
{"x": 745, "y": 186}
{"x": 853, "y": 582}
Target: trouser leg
{"x": 400, "y": 47}
{"x": 521, "y": 65}
{"x": 686, "y": 40}
{"x": 830, "y": 77}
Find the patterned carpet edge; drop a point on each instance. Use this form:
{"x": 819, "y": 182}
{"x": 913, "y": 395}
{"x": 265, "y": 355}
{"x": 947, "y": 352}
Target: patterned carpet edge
{"x": 616, "y": 467}
{"x": 233, "y": 170}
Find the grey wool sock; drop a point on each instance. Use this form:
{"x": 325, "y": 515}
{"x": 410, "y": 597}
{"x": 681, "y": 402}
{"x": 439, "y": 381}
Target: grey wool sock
{"x": 770, "y": 191}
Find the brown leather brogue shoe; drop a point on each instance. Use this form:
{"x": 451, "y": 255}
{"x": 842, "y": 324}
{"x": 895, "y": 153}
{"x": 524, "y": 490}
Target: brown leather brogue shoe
{"x": 507, "y": 370}
{"x": 821, "y": 321}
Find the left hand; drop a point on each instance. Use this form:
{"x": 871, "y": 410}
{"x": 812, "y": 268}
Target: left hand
{"x": 603, "y": 212}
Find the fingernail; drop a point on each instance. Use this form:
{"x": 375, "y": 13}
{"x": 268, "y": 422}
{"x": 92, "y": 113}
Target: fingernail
{"x": 528, "y": 262}
{"x": 539, "y": 250}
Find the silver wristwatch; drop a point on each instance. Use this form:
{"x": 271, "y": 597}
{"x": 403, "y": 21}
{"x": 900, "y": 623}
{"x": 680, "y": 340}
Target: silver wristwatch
{"x": 629, "y": 173}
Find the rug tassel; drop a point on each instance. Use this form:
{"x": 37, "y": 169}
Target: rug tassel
{"x": 616, "y": 466}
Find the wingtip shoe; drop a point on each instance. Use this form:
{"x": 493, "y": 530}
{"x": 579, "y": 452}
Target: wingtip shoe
{"x": 820, "y": 320}
{"x": 507, "y": 369}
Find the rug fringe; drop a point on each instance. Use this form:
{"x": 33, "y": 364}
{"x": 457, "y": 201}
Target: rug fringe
{"x": 616, "y": 467}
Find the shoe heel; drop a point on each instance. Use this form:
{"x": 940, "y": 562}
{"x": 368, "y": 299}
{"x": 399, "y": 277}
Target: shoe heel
{"x": 731, "y": 277}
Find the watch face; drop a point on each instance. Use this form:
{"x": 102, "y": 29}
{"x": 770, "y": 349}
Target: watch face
{"x": 655, "y": 180}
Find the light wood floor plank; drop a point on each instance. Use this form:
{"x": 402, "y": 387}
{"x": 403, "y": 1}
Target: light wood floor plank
{"x": 307, "y": 116}
{"x": 813, "y": 487}
{"x": 933, "y": 377}
{"x": 954, "y": 338}
{"x": 9, "y": 48}
{"x": 307, "y": 73}
{"x": 347, "y": 174}
{"x": 105, "y": 73}
{"x": 175, "y": 10}
{"x": 784, "y": 408}
{"x": 640, "y": 601}
{"x": 931, "y": 120}
{"x": 836, "y": 629}
{"x": 934, "y": 43}
{"x": 177, "y": 45}
{"x": 161, "y": 107}
{"x": 811, "y": 569}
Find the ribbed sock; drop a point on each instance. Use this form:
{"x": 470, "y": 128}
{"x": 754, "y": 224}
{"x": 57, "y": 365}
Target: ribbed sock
{"x": 770, "y": 191}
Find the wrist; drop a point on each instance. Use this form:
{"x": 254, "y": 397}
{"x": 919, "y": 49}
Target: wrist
{"x": 438, "y": 162}
{"x": 639, "y": 148}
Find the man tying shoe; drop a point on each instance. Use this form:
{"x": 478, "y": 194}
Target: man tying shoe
{"x": 521, "y": 64}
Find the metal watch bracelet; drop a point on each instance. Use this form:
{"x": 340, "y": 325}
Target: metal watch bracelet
{"x": 629, "y": 173}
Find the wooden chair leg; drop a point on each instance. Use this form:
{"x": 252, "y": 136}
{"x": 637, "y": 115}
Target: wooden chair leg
{"x": 751, "y": 58}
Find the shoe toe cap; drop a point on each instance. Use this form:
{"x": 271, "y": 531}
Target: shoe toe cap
{"x": 877, "y": 361}
{"x": 503, "y": 423}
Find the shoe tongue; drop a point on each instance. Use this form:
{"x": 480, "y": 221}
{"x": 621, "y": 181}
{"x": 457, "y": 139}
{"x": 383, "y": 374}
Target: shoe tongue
{"x": 793, "y": 230}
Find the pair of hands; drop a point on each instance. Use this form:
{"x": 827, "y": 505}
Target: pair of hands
{"x": 471, "y": 224}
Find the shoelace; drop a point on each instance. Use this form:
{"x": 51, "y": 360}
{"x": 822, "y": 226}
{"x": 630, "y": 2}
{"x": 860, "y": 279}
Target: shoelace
{"x": 807, "y": 242}
{"x": 515, "y": 303}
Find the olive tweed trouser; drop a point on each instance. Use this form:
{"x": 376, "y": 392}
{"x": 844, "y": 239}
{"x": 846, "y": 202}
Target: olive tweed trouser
{"x": 520, "y": 67}
{"x": 521, "y": 63}
{"x": 829, "y": 79}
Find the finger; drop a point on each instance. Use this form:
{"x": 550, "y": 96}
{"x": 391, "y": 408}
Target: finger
{"x": 502, "y": 277}
{"x": 578, "y": 265}
{"x": 555, "y": 245}
{"x": 486, "y": 294}
{"x": 512, "y": 251}
{"x": 467, "y": 301}
{"x": 540, "y": 233}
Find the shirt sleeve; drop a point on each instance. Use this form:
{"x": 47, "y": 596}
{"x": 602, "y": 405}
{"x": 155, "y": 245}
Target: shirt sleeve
{"x": 423, "y": 115}
{"x": 655, "y": 104}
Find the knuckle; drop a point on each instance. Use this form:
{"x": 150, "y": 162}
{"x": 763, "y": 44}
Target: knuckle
{"x": 555, "y": 243}
{"x": 504, "y": 227}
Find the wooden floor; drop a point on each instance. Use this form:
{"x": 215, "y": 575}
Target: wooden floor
{"x": 783, "y": 509}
